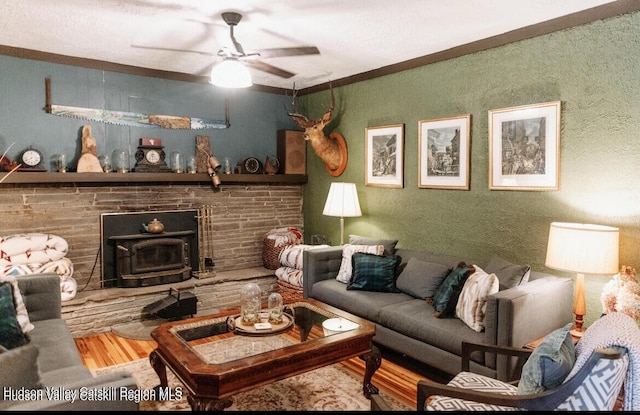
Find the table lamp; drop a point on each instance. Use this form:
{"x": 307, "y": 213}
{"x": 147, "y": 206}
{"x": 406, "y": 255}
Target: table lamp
{"x": 342, "y": 201}
{"x": 583, "y": 249}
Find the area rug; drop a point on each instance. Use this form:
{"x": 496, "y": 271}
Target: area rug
{"x": 331, "y": 388}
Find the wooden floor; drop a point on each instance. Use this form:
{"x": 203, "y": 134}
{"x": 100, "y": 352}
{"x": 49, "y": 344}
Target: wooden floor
{"x": 108, "y": 349}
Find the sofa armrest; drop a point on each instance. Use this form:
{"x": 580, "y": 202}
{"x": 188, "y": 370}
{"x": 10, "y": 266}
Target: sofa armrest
{"x": 117, "y": 383}
{"x": 519, "y": 315}
{"x": 319, "y": 264}
{"x": 41, "y": 295}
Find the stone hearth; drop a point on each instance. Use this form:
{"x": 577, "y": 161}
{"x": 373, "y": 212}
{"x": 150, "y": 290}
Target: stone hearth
{"x": 97, "y": 311}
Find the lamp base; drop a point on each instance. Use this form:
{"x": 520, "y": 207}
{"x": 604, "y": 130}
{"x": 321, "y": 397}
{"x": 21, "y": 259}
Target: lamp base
{"x": 577, "y": 332}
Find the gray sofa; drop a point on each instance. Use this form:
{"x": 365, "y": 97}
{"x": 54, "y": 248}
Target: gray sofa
{"x": 51, "y": 360}
{"x": 407, "y": 325}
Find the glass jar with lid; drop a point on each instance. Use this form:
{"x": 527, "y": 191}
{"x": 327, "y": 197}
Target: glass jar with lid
{"x": 121, "y": 160}
{"x": 275, "y": 305}
{"x": 250, "y": 303}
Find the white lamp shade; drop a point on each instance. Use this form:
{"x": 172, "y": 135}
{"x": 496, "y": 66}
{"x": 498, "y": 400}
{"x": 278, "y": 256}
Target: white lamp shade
{"x": 342, "y": 201}
{"x": 583, "y": 248}
{"x": 231, "y": 73}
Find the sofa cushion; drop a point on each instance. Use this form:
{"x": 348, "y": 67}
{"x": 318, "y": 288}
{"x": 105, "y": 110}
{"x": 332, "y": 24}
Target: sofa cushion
{"x": 346, "y": 266}
{"x": 549, "y": 364}
{"x": 389, "y": 244}
{"x": 420, "y": 279}
{"x": 510, "y": 275}
{"x": 66, "y": 376}
{"x": 20, "y": 368}
{"x": 445, "y": 297}
{"x": 415, "y": 319}
{"x": 366, "y": 304}
{"x": 56, "y": 344}
{"x": 472, "y": 302}
{"x": 374, "y": 273}
{"x": 11, "y": 335}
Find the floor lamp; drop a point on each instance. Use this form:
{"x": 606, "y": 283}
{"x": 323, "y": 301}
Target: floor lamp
{"x": 342, "y": 201}
{"x": 583, "y": 249}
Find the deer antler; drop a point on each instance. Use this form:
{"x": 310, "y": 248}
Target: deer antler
{"x": 333, "y": 149}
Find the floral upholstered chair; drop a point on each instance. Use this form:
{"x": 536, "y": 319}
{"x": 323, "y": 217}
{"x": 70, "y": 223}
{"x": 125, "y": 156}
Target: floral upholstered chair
{"x": 554, "y": 376}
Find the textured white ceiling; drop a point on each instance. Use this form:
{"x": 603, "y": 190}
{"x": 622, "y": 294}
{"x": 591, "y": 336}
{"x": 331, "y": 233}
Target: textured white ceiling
{"x": 353, "y": 36}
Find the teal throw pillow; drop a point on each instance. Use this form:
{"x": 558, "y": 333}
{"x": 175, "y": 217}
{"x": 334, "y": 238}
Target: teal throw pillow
{"x": 374, "y": 272}
{"x": 549, "y": 364}
{"x": 445, "y": 297}
{"x": 11, "y": 335}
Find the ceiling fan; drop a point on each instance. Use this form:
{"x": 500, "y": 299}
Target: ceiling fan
{"x": 252, "y": 59}
{"x": 236, "y": 51}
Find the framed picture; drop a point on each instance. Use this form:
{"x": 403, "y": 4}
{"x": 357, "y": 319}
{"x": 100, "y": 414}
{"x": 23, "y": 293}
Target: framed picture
{"x": 384, "y": 156}
{"x": 524, "y": 147}
{"x": 443, "y": 148}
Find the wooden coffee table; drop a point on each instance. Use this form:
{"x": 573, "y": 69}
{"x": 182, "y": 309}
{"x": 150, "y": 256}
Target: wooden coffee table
{"x": 215, "y": 360}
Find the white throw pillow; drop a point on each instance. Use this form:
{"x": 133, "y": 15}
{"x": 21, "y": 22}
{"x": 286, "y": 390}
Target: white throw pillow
{"x": 472, "y": 302}
{"x": 346, "y": 269}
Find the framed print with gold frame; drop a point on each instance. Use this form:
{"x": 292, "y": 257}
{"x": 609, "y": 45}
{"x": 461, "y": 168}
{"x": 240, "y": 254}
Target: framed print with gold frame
{"x": 524, "y": 147}
{"x": 443, "y": 149}
{"x": 384, "y": 156}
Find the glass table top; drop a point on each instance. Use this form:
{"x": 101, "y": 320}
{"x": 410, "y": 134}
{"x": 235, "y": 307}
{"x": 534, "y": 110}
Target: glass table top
{"x": 220, "y": 340}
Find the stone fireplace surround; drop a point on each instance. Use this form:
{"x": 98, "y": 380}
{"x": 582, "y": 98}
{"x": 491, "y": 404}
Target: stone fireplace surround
{"x": 243, "y": 214}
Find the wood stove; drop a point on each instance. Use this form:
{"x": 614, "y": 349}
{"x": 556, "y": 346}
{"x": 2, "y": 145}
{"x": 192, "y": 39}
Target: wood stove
{"x": 151, "y": 259}
{"x": 133, "y": 257}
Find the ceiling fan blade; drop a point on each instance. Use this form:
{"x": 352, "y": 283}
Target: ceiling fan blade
{"x": 282, "y": 52}
{"x": 265, "y": 67}
{"x": 173, "y": 49}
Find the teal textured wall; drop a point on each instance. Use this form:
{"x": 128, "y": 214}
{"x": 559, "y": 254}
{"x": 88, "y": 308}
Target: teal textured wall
{"x": 594, "y": 70}
{"x": 255, "y": 117}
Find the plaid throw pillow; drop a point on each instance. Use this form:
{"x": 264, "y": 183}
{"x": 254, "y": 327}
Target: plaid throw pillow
{"x": 374, "y": 272}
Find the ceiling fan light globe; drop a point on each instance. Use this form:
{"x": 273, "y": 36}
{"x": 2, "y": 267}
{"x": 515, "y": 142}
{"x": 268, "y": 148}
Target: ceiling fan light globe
{"x": 231, "y": 73}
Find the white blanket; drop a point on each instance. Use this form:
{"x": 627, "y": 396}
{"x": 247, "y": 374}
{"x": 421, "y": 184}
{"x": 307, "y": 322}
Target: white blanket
{"x": 33, "y": 253}
{"x": 614, "y": 329}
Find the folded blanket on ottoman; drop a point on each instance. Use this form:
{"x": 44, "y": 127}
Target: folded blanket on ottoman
{"x": 33, "y": 253}
{"x": 290, "y": 269}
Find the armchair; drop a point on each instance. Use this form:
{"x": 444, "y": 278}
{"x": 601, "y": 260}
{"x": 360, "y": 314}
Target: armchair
{"x": 607, "y": 358}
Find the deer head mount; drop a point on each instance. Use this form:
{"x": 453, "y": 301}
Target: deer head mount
{"x": 332, "y": 149}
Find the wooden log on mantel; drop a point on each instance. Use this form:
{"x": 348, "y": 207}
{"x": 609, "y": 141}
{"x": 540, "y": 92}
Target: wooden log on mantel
{"x": 203, "y": 150}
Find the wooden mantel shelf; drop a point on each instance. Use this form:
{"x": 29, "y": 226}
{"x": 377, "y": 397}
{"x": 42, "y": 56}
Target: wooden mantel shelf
{"x": 45, "y": 177}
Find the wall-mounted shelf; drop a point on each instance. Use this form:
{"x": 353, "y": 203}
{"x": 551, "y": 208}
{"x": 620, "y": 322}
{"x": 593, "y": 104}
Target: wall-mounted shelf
{"x": 106, "y": 178}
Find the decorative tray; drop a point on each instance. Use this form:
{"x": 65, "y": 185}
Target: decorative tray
{"x": 236, "y": 325}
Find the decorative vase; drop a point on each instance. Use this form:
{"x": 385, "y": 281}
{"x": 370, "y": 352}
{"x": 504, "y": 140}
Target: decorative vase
{"x": 250, "y": 304}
